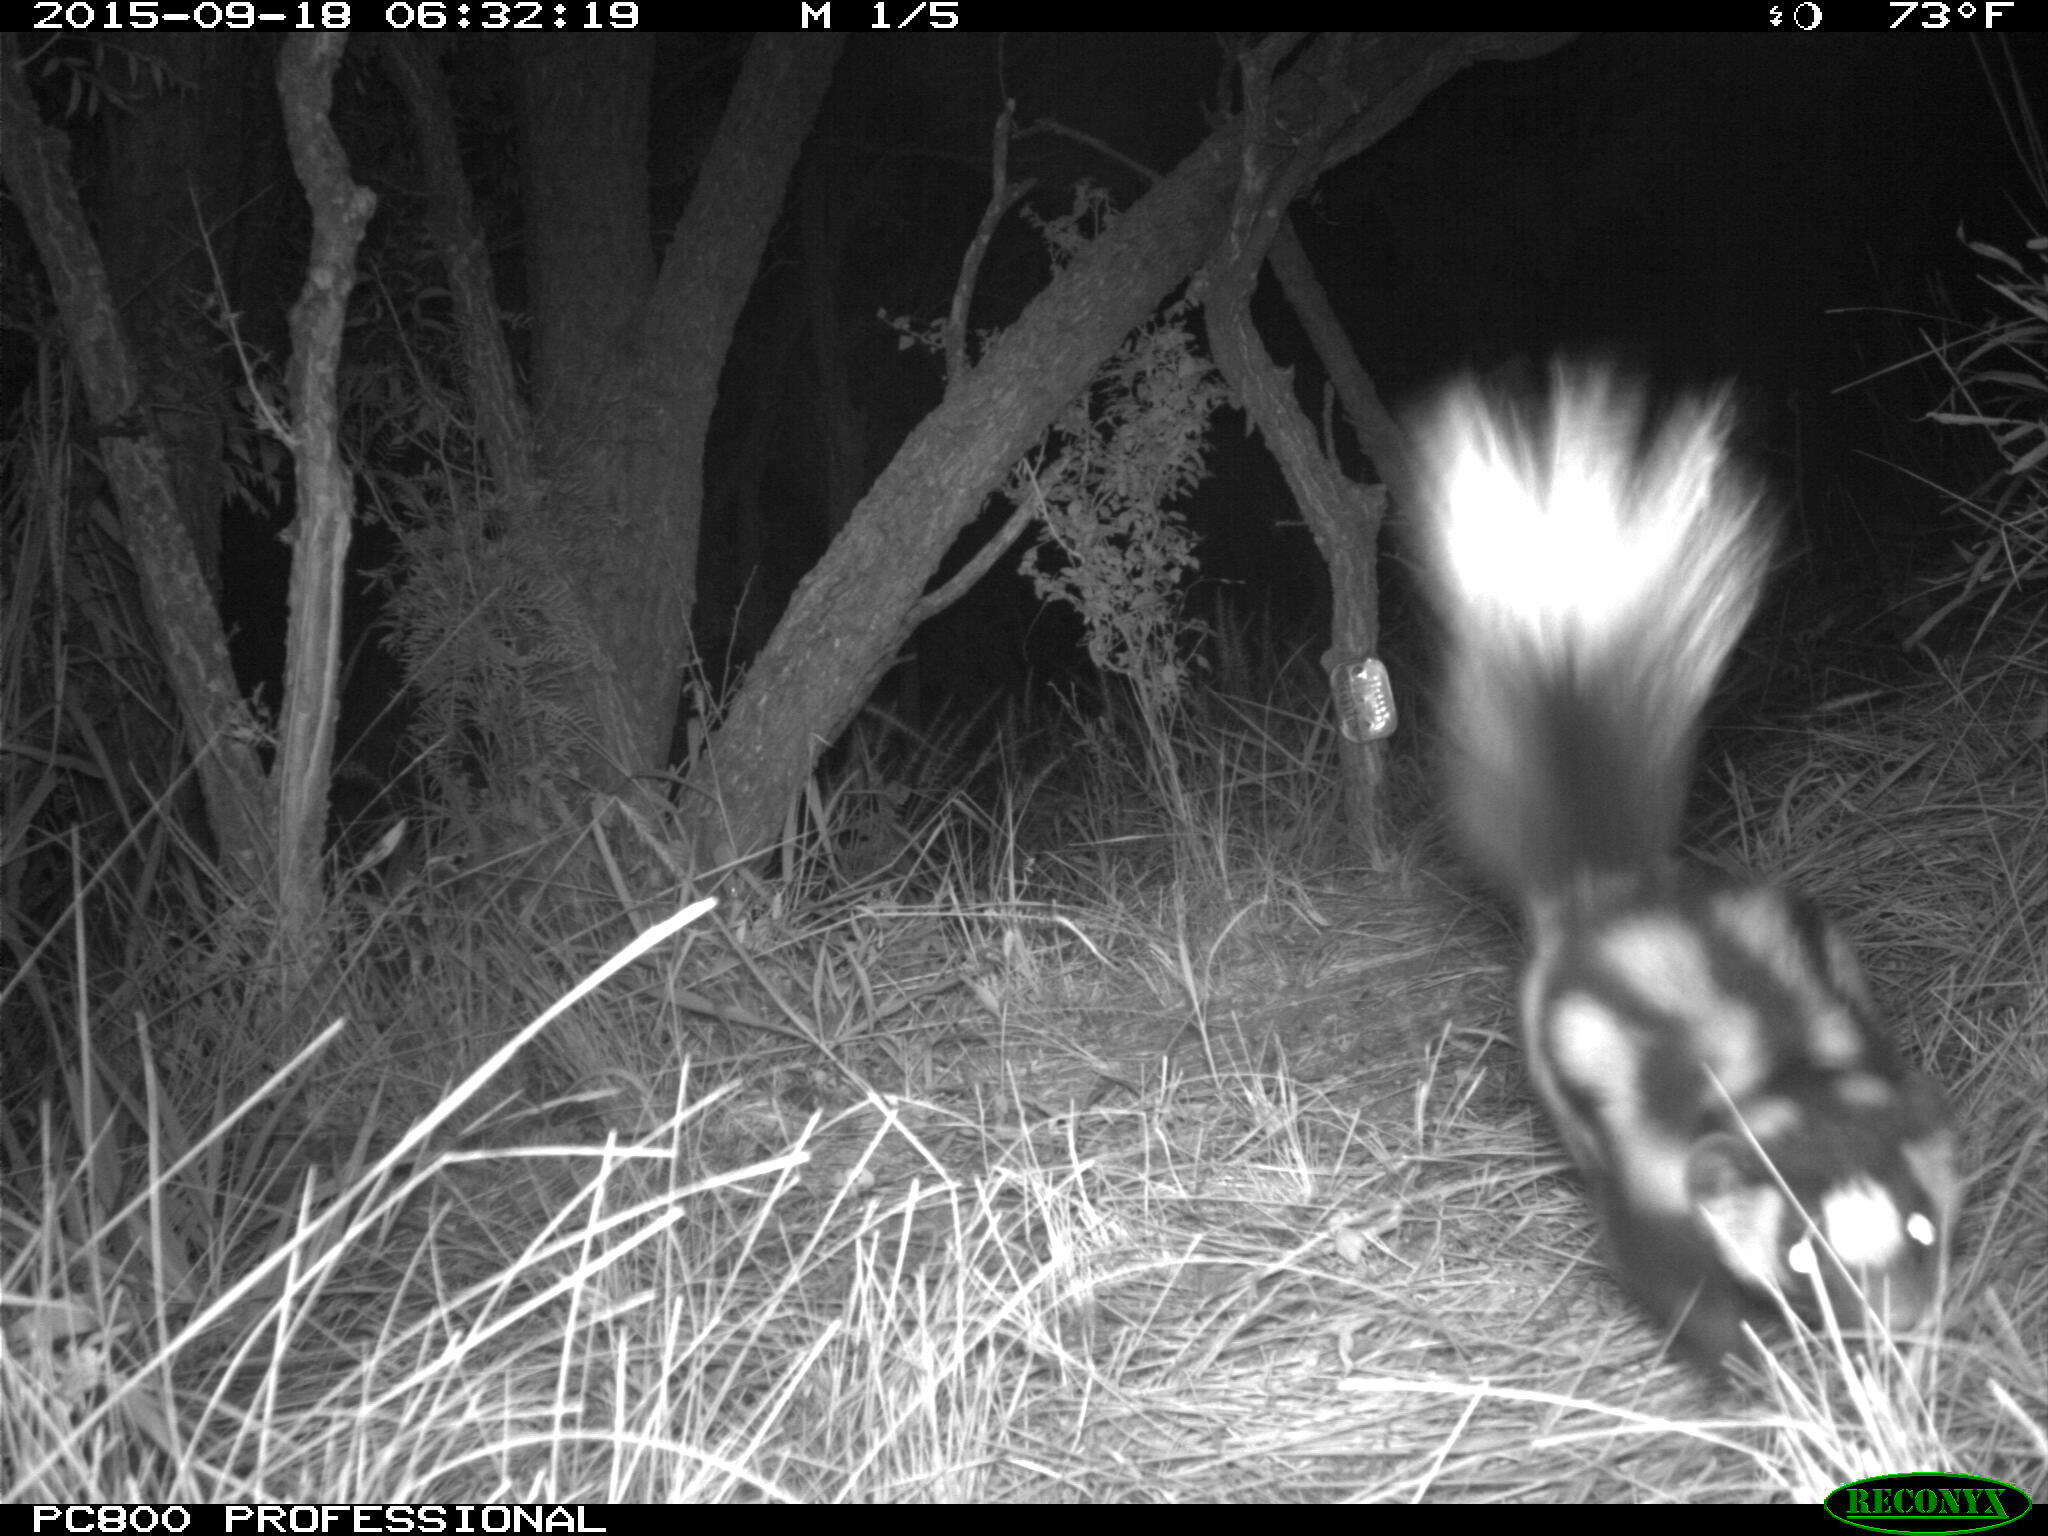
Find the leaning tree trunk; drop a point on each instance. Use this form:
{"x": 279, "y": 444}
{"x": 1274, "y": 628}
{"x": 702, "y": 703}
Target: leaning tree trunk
{"x": 858, "y": 605}
{"x": 177, "y": 169}
{"x": 850, "y": 613}
{"x": 184, "y": 157}
{"x": 218, "y": 727}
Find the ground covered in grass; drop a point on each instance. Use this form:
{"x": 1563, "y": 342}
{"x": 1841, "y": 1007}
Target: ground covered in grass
{"x": 1022, "y": 1133}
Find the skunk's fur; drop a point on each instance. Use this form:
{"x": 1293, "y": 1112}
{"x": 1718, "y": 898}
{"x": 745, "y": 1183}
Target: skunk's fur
{"x": 1705, "y": 1045}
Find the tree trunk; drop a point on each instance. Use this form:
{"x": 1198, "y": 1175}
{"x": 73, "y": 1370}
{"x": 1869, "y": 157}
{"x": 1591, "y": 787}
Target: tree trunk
{"x": 628, "y": 369}
{"x": 848, "y": 616}
{"x": 489, "y": 378}
{"x": 167, "y": 201}
{"x": 218, "y": 727}
{"x": 267, "y": 845}
{"x": 326, "y": 487}
{"x": 167, "y": 211}
{"x": 1346, "y": 523}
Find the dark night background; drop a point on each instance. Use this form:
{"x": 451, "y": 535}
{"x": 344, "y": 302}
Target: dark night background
{"x": 1782, "y": 211}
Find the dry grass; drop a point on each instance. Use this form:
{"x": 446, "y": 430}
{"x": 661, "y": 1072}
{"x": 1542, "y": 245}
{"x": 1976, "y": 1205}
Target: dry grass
{"x": 1116, "y": 1161}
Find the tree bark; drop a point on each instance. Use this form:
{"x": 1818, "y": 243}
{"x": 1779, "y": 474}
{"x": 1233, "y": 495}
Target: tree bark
{"x": 172, "y": 180}
{"x": 178, "y": 162}
{"x": 219, "y": 728}
{"x": 629, "y": 426}
{"x": 326, "y": 489}
{"x": 490, "y": 380}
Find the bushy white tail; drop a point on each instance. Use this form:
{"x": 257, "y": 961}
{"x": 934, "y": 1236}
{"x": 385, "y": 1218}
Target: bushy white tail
{"x": 1593, "y": 569}
{"x": 1705, "y": 1045}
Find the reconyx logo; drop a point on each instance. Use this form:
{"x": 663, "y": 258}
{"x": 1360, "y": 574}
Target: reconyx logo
{"x": 1949, "y": 1503}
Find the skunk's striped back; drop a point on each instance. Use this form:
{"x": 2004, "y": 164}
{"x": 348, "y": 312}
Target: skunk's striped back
{"x": 1708, "y": 1052}
{"x": 1706, "y": 1046}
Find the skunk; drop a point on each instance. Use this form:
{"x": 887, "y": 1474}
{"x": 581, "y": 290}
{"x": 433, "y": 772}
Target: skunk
{"x": 1705, "y": 1045}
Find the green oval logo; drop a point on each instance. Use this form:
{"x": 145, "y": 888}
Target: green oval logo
{"x": 1949, "y": 1503}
